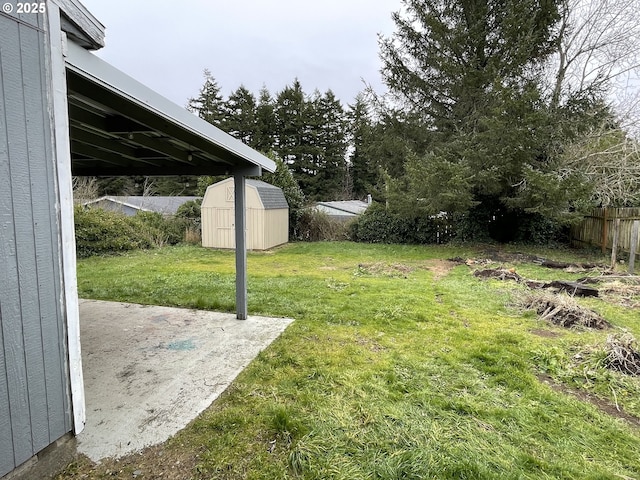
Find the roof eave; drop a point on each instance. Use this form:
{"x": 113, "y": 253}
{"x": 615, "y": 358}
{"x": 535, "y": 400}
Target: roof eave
{"x": 138, "y": 96}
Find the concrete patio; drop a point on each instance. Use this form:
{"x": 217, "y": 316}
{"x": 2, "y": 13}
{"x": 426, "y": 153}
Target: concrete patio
{"x": 149, "y": 370}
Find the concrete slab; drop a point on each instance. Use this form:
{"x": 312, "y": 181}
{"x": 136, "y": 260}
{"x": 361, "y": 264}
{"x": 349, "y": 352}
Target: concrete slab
{"x": 150, "y": 370}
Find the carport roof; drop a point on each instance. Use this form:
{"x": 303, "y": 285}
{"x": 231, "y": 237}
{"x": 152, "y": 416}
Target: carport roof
{"x": 118, "y": 126}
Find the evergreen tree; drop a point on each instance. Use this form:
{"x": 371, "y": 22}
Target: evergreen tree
{"x": 174, "y": 185}
{"x": 265, "y": 133}
{"x": 209, "y": 104}
{"x": 363, "y": 168}
{"x": 326, "y": 179}
{"x": 448, "y": 57}
{"x": 240, "y": 115}
{"x": 293, "y": 131}
{"x": 470, "y": 70}
{"x": 284, "y": 179}
{"x": 117, "y": 186}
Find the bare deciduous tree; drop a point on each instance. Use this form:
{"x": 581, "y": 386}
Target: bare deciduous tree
{"x": 84, "y": 189}
{"x": 599, "y": 52}
{"x": 611, "y": 162}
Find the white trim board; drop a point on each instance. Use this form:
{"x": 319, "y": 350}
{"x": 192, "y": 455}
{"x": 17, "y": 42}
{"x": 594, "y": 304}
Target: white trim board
{"x": 61, "y": 148}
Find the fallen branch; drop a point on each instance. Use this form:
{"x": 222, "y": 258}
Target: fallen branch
{"x": 572, "y": 288}
{"x": 605, "y": 278}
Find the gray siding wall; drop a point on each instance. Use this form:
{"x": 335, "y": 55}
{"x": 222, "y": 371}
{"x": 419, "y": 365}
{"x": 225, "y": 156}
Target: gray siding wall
{"x": 34, "y": 382}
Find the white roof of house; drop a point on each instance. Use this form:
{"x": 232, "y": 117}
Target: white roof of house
{"x": 345, "y": 207}
{"x": 165, "y": 205}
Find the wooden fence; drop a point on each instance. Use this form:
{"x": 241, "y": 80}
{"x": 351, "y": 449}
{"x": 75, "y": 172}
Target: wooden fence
{"x": 597, "y": 229}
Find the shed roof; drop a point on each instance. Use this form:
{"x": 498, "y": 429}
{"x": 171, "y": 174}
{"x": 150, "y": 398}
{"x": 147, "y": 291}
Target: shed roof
{"x": 272, "y": 197}
{"x": 353, "y": 207}
{"x": 160, "y": 204}
{"x": 118, "y": 126}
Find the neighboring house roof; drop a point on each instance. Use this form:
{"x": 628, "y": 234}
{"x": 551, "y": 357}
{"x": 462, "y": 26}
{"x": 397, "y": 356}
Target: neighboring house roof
{"x": 345, "y": 207}
{"x": 272, "y": 197}
{"x": 164, "y": 205}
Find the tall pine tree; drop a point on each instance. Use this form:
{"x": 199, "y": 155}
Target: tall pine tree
{"x": 293, "y": 130}
{"x": 329, "y": 146}
{"x": 265, "y": 134}
{"x": 240, "y": 115}
{"x": 363, "y": 168}
{"x": 209, "y": 104}
{"x": 471, "y": 69}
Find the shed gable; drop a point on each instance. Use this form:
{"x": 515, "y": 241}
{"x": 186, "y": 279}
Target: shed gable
{"x": 272, "y": 197}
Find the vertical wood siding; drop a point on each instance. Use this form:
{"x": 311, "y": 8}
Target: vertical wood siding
{"x": 265, "y": 228}
{"x": 34, "y": 386}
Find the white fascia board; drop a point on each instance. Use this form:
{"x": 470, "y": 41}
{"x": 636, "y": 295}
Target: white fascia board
{"x": 62, "y": 160}
{"x": 84, "y": 20}
{"x": 102, "y": 73}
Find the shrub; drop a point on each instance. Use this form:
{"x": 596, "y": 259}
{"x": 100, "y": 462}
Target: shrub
{"x": 315, "y": 226}
{"x": 378, "y": 225}
{"x": 193, "y": 236}
{"x": 100, "y": 232}
{"x": 490, "y": 221}
{"x": 160, "y": 229}
{"x": 191, "y": 211}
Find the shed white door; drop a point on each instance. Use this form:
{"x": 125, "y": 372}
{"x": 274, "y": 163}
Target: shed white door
{"x": 225, "y": 228}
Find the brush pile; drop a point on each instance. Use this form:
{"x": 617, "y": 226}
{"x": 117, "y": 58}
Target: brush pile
{"x": 562, "y": 310}
{"x": 622, "y": 354}
{"x": 498, "y": 273}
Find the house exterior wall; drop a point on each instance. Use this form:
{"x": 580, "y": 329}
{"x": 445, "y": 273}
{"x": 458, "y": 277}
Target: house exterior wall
{"x": 35, "y": 405}
{"x": 265, "y": 228}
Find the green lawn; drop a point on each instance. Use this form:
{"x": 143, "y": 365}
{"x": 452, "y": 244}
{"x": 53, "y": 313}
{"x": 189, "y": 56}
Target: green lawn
{"x": 398, "y": 366}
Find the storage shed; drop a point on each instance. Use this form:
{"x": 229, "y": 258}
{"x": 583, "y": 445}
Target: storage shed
{"x": 267, "y": 214}
{"x": 64, "y": 112}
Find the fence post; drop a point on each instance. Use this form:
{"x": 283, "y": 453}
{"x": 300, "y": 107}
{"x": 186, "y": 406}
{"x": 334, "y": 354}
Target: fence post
{"x": 605, "y": 227}
{"x": 614, "y": 246}
{"x": 634, "y": 245}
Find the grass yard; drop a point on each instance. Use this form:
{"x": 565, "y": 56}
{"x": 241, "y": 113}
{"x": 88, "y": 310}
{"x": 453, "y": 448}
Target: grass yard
{"x": 399, "y": 365}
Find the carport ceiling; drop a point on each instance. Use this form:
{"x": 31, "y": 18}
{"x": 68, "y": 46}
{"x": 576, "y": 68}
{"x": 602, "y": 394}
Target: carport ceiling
{"x": 120, "y": 127}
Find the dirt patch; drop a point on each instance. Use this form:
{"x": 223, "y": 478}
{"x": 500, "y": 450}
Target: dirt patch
{"x": 440, "y": 268}
{"x": 561, "y": 309}
{"x": 604, "y": 405}
{"x": 153, "y": 462}
{"x": 369, "y": 344}
{"x": 540, "y": 332}
{"x": 381, "y": 269}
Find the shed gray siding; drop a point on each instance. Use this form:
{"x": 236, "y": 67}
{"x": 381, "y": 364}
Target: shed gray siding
{"x": 34, "y": 387}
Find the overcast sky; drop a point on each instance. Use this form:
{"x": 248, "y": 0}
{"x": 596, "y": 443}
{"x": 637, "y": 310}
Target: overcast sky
{"x": 327, "y": 44}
